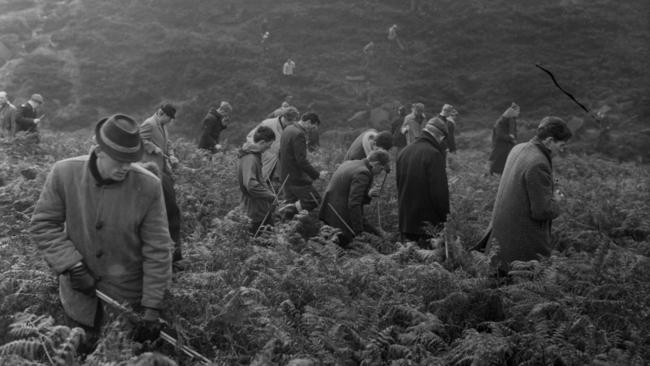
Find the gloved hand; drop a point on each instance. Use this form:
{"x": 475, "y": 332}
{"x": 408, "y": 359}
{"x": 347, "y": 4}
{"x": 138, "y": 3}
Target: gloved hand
{"x": 81, "y": 279}
{"x": 149, "y": 327}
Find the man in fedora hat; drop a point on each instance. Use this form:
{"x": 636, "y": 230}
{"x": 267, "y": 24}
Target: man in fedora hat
{"x": 423, "y": 193}
{"x": 26, "y": 116}
{"x": 100, "y": 224}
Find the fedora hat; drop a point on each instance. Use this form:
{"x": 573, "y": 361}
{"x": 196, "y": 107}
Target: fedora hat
{"x": 119, "y": 136}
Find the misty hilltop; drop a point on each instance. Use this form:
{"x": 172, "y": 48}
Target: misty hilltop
{"x": 90, "y": 58}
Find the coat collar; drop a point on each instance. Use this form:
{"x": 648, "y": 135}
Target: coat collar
{"x": 94, "y": 171}
{"x": 537, "y": 142}
{"x": 432, "y": 140}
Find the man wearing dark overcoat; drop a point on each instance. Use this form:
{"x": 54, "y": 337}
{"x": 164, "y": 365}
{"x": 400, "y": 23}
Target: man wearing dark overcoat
{"x": 211, "y": 126}
{"x": 504, "y": 138}
{"x": 423, "y": 194}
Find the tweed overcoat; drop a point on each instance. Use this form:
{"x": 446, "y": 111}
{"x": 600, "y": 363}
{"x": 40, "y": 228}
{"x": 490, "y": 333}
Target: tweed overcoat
{"x": 118, "y": 230}
{"x": 524, "y": 206}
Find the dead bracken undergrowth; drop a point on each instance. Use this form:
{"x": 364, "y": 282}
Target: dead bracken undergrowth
{"x": 294, "y": 295}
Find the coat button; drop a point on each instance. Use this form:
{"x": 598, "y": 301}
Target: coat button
{"x": 99, "y": 225}
{"x": 99, "y": 253}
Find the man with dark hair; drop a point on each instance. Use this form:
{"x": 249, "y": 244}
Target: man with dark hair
{"x": 270, "y": 157}
{"x": 257, "y": 198}
{"x": 295, "y": 168}
{"x": 368, "y": 141}
{"x": 213, "y": 123}
{"x": 399, "y": 140}
{"x": 100, "y": 224}
{"x": 527, "y": 200}
{"x": 7, "y": 116}
{"x": 423, "y": 193}
{"x": 349, "y": 190}
{"x": 158, "y": 150}
{"x": 26, "y": 116}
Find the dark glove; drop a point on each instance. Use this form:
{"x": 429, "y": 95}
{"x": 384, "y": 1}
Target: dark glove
{"x": 81, "y": 280}
{"x": 149, "y": 327}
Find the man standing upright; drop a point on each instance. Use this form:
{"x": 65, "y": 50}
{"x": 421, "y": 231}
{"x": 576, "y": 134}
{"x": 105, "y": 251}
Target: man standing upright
{"x": 504, "y": 138}
{"x": 7, "y": 117}
{"x": 26, "y": 116}
{"x": 350, "y": 188}
{"x": 447, "y": 116}
{"x": 527, "y": 200}
{"x": 213, "y": 123}
{"x": 270, "y": 157}
{"x": 399, "y": 140}
{"x": 100, "y": 224}
{"x": 294, "y": 166}
{"x": 288, "y": 67}
{"x": 153, "y": 131}
{"x": 157, "y": 149}
{"x": 412, "y": 126}
{"x": 423, "y": 194}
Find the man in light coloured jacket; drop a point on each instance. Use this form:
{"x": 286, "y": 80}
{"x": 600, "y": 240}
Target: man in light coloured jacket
{"x": 270, "y": 157}
{"x": 100, "y": 223}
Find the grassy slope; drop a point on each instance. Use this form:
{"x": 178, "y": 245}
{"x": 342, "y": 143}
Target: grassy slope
{"x": 478, "y": 55}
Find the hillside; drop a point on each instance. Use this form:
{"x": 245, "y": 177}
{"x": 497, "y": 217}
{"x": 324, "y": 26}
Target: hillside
{"x": 93, "y": 57}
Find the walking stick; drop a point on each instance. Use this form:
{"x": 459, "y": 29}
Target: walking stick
{"x": 271, "y": 208}
{"x": 340, "y": 218}
{"x": 165, "y": 337}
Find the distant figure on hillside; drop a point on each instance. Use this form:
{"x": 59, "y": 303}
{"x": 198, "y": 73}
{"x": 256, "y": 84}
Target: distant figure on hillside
{"x": 447, "y": 116}
{"x": 527, "y": 199}
{"x": 423, "y": 192}
{"x": 399, "y": 140}
{"x": 288, "y": 67}
{"x": 412, "y": 125}
{"x": 7, "y": 117}
{"x": 393, "y": 37}
{"x": 350, "y": 188}
{"x": 100, "y": 224}
{"x": 368, "y": 53}
{"x": 26, "y": 116}
{"x": 270, "y": 156}
{"x": 158, "y": 150}
{"x": 256, "y": 196}
{"x": 299, "y": 191}
{"x": 504, "y": 138}
{"x": 265, "y": 41}
{"x": 213, "y": 123}
{"x": 367, "y": 142}
{"x": 264, "y": 26}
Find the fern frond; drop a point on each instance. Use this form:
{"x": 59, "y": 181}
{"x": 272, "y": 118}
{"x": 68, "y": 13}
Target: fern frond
{"x": 27, "y": 348}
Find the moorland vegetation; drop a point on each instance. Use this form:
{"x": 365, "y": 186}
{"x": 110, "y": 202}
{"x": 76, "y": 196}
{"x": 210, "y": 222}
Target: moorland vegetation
{"x": 293, "y": 294}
